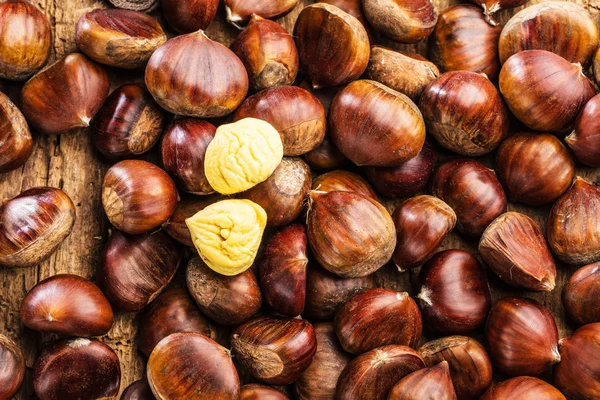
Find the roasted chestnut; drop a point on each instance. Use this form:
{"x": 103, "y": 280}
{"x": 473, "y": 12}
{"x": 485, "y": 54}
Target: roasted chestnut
{"x": 326, "y": 156}
{"x": 13, "y": 368}
{"x": 434, "y": 383}
{"x": 240, "y": 11}
{"x": 585, "y": 138}
{"x": 16, "y": 143}
{"x": 186, "y": 16}
{"x": 400, "y": 20}
{"x": 490, "y": 7}
{"x": 33, "y": 225}
{"x": 255, "y": 391}
{"x": 138, "y": 390}
{"x": 135, "y": 5}
{"x": 581, "y": 295}
{"x": 186, "y": 208}
{"x": 522, "y": 388}
{"x": 344, "y": 181}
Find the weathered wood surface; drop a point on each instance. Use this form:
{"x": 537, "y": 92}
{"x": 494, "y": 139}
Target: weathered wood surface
{"x": 70, "y": 163}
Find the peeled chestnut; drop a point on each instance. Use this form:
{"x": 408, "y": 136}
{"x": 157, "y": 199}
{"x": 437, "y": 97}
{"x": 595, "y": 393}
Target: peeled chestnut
{"x": 227, "y": 300}
{"x": 189, "y": 365}
{"x": 522, "y": 337}
{"x": 514, "y": 247}
{"x": 349, "y": 234}
{"x": 25, "y": 39}
{"x": 119, "y": 38}
{"x": 422, "y": 223}
{"x": 372, "y": 375}
{"x": 454, "y": 294}
{"x": 274, "y": 350}
{"x": 16, "y": 143}
{"x": 268, "y": 52}
{"x": 77, "y": 369}
{"x": 585, "y": 138}
{"x": 255, "y": 391}
{"x": 240, "y": 11}
{"x": 400, "y": 20}
{"x": 434, "y": 383}
{"x": 573, "y": 236}
{"x": 136, "y": 5}
{"x": 374, "y": 125}
{"x": 138, "y": 196}
{"x": 65, "y": 96}
{"x": 128, "y": 124}
{"x": 470, "y": 366}
{"x": 33, "y": 225}
{"x": 375, "y": 318}
{"x": 320, "y": 380}
{"x": 326, "y": 156}
{"x": 183, "y": 148}
{"x": 13, "y": 368}
{"x": 344, "y": 181}
{"x": 522, "y": 388}
{"x": 332, "y": 44}
{"x": 173, "y": 69}
{"x": 541, "y": 27}
{"x": 464, "y": 40}
{"x": 581, "y": 295}
{"x": 186, "y": 208}
{"x": 298, "y": 116}
{"x": 473, "y": 192}
{"x": 187, "y": 16}
{"x": 138, "y": 390}
{"x": 530, "y": 81}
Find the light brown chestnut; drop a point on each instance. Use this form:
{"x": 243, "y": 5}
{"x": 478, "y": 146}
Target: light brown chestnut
{"x": 490, "y": 7}
{"x": 33, "y": 225}
{"x": 401, "y": 20}
{"x": 422, "y": 223}
{"x": 522, "y": 388}
{"x": 172, "y": 71}
{"x": 434, "y": 383}
{"x": 374, "y": 125}
{"x": 13, "y": 368}
{"x": 16, "y": 143}
{"x": 185, "y": 208}
{"x": 65, "y": 96}
{"x": 341, "y": 52}
{"x": 186, "y": 16}
{"x": 240, "y": 11}
{"x": 138, "y": 390}
{"x": 344, "y": 181}
{"x": 354, "y": 8}
{"x": 581, "y": 295}
{"x": 326, "y": 156}
{"x": 135, "y": 5}
{"x": 255, "y": 391}
{"x": 585, "y": 138}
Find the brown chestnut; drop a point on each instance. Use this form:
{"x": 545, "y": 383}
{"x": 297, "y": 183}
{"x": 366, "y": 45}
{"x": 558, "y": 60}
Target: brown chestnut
{"x": 585, "y": 138}
{"x": 16, "y": 144}
{"x": 173, "y": 69}
{"x": 13, "y": 368}
{"x": 344, "y": 181}
{"x": 77, "y": 369}
{"x": 128, "y": 124}
{"x": 530, "y": 81}
{"x": 183, "y": 148}
{"x": 401, "y": 20}
{"x": 326, "y": 156}
{"x": 186, "y": 16}
{"x": 434, "y": 383}
{"x": 269, "y": 54}
{"x": 332, "y": 44}
{"x": 298, "y": 116}
{"x": 66, "y": 95}
{"x": 349, "y": 234}
{"x": 33, "y": 225}
{"x": 274, "y": 350}
{"x": 473, "y": 192}
{"x": 138, "y": 390}
{"x": 375, "y": 318}
{"x": 135, "y": 5}
{"x": 374, "y": 125}
{"x": 454, "y": 294}
{"x": 185, "y": 208}
{"x": 422, "y": 223}
{"x": 255, "y": 391}
{"x": 354, "y": 8}
{"x": 581, "y": 295}
{"x": 240, "y": 11}
{"x": 188, "y": 365}
{"x": 138, "y": 196}
{"x": 227, "y": 300}
{"x": 25, "y": 39}
{"x": 522, "y": 388}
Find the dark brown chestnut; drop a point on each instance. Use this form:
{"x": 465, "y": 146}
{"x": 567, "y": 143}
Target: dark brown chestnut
{"x": 13, "y": 368}
{"x": 581, "y": 295}
{"x": 490, "y": 7}
{"x": 473, "y": 192}
{"x": 138, "y": 390}
{"x": 239, "y": 11}
{"x": 326, "y": 156}
{"x": 16, "y": 143}
{"x": 434, "y": 383}
{"x": 186, "y": 208}
{"x": 522, "y": 388}
{"x": 33, "y": 225}
{"x": 344, "y": 181}
{"x": 186, "y": 16}
{"x": 454, "y": 294}
{"x": 128, "y": 124}
{"x": 255, "y": 391}
{"x": 401, "y": 20}
{"x": 585, "y": 138}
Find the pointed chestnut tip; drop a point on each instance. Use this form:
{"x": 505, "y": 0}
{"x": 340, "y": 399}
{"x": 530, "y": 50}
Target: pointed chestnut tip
{"x": 255, "y": 18}
{"x": 233, "y": 19}
{"x": 548, "y": 284}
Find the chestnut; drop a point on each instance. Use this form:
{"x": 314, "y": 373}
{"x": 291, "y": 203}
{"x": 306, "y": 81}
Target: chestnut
{"x": 268, "y": 52}
{"x": 227, "y": 300}
{"x": 183, "y": 148}
{"x": 13, "y": 368}
{"x": 138, "y": 196}
{"x": 374, "y": 125}
{"x": 128, "y": 124}
{"x": 463, "y": 40}
{"x": 186, "y": 208}
{"x": 573, "y": 236}
{"x": 473, "y": 192}
{"x": 33, "y": 225}
{"x": 65, "y": 96}
{"x": 514, "y": 247}
{"x": 422, "y": 223}
{"x": 490, "y": 7}
{"x": 255, "y": 391}
{"x": 596, "y": 65}
{"x": 77, "y": 369}
{"x": 465, "y": 113}
{"x": 581, "y": 295}
{"x": 16, "y": 143}
{"x": 584, "y": 140}
{"x": 172, "y": 71}
{"x": 136, "y": 5}
{"x": 434, "y": 383}
{"x": 326, "y": 156}
{"x": 375, "y": 318}
{"x": 530, "y": 81}
{"x": 522, "y": 337}
{"x": 349, "y": 234}
{"x": 189, "y": 365}
{"x": 454, "y": 294}
{"x": 344, "y": 181}
{"x": 354, "y": 8}
{"x": 138, "y": 390}
{"x": 470, "y": 366}
{"x": 522, "y": 388}
{"x": 119, "y": 38}
{"x": 274, "y": 350}
{"x": 372, "y": 375}
{"x": 25, "y": 39}
{"x": 186, "y": 16}
{"x": 240, "y": 11}
{"x": 400, "y": 20}
{"x": 576, "y": 375}
{"x": 298, "y": 116}
{"x": 319, "y": 381}
{"x": 333, "y": 45}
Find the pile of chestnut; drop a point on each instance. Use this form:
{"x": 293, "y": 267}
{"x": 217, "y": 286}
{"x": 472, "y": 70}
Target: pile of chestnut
{"x": 311, "y": 319}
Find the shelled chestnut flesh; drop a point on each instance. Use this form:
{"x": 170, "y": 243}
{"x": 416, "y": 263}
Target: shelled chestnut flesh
{"x": 16, "y": 143}
{"x": 13, "y": 368}
{"x": 240, "y": 11}
{"x": 581, "y": 295}
{"x": 254, "y": 391}
{"x": 401, "y": 21}
{"x": 187, "y": 16}
{"x": 186, "y": 208}
{"x": 522, "y": 388}
{"x": 434, "y": 383}
{"x": 344, "y": 181}
{"x": 585, "y": 138}
{"x": 138, "y": 390}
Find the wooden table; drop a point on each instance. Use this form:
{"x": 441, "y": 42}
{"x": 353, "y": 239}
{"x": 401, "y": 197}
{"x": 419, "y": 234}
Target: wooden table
{"x": 70, "y": 163}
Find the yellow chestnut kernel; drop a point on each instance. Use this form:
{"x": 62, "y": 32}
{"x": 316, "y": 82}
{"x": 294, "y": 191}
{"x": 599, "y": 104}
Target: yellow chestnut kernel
{"x": 242, "y": 155}
{"x": 227, "y": 234}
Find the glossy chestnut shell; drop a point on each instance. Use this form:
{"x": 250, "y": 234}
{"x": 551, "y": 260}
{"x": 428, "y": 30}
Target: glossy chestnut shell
{"x": 16, "y": 143}
{"x": 344, "y": 181}
{"x": 326, "y": 156}
{"x": 13, "y": 368}
{"x": 240, "y": 11}
{"x": 523, "y": 388}
{"x": 254, "y": 391}
{"x": 187, "y": 16}
{"x": 138, "y": 390}
{"x": 354, "y": 8}
{"x": 400, "y": 20}
{"x": 581, "y": 295}
{"x": 585, "y": 138}
{"x": 434, "y": 382}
